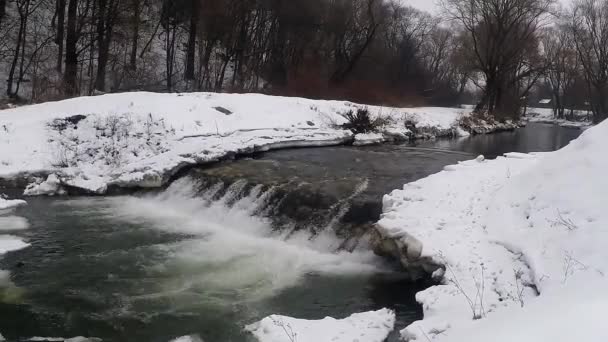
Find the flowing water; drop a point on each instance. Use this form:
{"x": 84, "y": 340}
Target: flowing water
{"x": 225, "y": 246}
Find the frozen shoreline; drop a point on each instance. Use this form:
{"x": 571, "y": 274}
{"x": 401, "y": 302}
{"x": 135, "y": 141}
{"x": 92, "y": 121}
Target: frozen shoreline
{"x": 140, "y": 140}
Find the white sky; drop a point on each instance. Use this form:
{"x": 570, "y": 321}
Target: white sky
{"x": 427, "y": 5}
{"x": 433, "y": 7}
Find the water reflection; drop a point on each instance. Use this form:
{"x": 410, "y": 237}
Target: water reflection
{"x": 536, "y": 137}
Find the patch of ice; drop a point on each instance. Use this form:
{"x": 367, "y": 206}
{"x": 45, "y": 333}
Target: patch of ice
{"x": 368, "y": 139}
{"x": 9, "y": 243}
{"x": 8, "y": 223}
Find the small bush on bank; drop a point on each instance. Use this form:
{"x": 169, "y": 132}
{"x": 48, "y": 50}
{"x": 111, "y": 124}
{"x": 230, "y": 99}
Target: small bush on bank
{"x": 361, "y": 121}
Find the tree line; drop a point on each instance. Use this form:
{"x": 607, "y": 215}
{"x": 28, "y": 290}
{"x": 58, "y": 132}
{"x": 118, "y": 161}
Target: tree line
{"x": 372, "y": 51}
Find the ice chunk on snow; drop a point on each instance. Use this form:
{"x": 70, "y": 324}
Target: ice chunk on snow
{"x": 51, "y": 186}
{"x": 372, "y": 326}
{"x": 10, "y": 204}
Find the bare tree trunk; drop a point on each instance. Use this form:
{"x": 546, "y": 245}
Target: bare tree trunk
{"x": 59, "y": 38}
{"x": 71, "y": 54}
{"x": 171, "y": 35}
{"x": 2, "y": 9}
{"x": 135, "y": 37}
{"x": 105, "y": 19}
{"x": 191, "y": 49}
{"x": 23, "y": 9}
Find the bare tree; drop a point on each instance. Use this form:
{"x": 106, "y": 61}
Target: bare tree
{"x": 499, "y": 35}
{"x": 563, "y": 67}
{"x": 589, "y": 26}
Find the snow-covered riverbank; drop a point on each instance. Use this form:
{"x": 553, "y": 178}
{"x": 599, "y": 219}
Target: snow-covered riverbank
{"x": 142, "y": 139}
{"x": 545, "y": 115}
{"x": 518, "y": 243}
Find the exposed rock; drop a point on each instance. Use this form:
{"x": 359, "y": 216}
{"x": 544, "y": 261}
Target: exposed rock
{"x": 223, "y": 110}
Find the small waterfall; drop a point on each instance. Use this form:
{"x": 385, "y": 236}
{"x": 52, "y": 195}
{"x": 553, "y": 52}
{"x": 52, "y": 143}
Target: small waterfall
{"x": 233, "y": 233}
{"x": 291, "y": 209}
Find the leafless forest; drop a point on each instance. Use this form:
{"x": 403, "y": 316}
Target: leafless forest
{"x": 497, "y": 54}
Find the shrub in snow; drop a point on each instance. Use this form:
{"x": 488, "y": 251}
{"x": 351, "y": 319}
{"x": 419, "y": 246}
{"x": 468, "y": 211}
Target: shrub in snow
{"x": 111, "y": 140}
{"x": 361, "y": 121}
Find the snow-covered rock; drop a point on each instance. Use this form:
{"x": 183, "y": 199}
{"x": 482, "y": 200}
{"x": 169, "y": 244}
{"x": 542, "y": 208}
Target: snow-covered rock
{"x": 142, "y": 139}
{"x": 374, "y": 326}
{"x": 509, "y": 238}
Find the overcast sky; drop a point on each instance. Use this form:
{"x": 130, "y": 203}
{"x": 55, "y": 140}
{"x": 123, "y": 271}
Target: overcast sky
{"x": 433, "y": 7}
{"x": 427, "y": 5}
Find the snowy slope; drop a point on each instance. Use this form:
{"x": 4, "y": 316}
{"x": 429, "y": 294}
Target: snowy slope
{"x": 140, "y": 139}
{"x": 372, "y": 326}
{"x": 513, "y": 238}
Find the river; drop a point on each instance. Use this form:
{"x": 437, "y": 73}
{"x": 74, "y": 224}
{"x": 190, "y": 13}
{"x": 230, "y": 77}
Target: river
{"x": 225, "y": 246}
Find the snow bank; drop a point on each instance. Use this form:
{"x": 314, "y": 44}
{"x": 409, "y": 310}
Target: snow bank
{"x": 501, "y": 232}
{"x": 141, "y": 139}
{"x": 372, "y": 326}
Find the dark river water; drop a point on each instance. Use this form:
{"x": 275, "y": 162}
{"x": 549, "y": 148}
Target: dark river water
{"x": 207, "y": 260}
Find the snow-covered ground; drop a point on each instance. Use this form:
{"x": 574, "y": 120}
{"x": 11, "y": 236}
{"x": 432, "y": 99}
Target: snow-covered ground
{"x": 519, "y": 244}
{"x": 141, "y": 139}
{"x": 374, "y": 326}
{"x": 546, "y": 115}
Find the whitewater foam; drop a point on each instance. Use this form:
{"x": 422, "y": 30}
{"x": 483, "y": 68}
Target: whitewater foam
{"x": 231, "y": 249}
